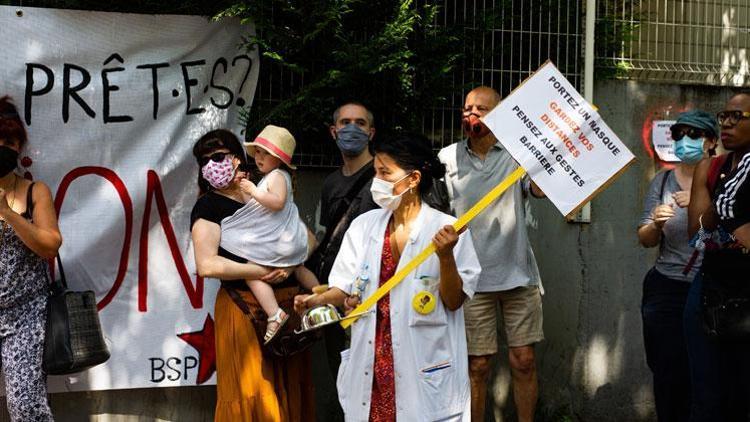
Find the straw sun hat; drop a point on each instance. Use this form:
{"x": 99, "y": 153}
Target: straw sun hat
{"x": 275, "y": 140}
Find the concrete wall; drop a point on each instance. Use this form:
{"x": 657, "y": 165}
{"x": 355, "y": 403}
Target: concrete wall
{"x": 591, "y": 366}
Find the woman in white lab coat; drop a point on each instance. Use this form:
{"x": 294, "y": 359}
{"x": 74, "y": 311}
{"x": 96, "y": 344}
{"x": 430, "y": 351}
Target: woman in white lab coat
{"x": 408, "y": 360}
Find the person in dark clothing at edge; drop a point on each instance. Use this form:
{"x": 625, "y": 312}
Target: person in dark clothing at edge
{"x": 726, "y": 262}
{"x": 345, "y": 195}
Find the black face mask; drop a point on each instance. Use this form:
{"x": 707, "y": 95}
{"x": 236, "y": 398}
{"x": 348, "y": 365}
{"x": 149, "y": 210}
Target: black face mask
{"x": 8, "y": 160}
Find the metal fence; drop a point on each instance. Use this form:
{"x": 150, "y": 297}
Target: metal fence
{"x": 678, "y": 41}
{"x": 523, "y": 35}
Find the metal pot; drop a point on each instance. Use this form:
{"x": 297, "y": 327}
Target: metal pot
{"x": 323, "y": 315}
{"x": 319, "y": 316}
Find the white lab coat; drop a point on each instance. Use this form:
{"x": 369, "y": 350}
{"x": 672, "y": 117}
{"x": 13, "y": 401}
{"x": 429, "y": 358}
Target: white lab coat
{"x": 421, "y": 343}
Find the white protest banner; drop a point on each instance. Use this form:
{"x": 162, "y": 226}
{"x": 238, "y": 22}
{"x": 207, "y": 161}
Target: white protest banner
{"x": 113, "y": 104}
{"x": 558, "y": 138}
{"x": 662, "y": 139}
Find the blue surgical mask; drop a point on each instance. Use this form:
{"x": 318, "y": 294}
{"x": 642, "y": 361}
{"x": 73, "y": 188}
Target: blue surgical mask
{"x": 689, "y": 150}
{"x": 352, "y": 140}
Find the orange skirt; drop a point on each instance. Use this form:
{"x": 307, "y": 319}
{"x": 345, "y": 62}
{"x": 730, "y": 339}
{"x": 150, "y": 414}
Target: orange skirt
{"x": 250, "y": 386}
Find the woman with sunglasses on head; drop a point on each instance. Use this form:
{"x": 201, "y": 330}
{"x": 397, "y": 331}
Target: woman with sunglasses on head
{"x": 249, "y": 385}
{"x": 28, "y": 237}
{"x": 408, "y": 360}
{"x": 664, "y": 224}
{"x": 725, "y": 273}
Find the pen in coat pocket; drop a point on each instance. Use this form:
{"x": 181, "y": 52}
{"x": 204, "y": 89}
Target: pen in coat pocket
{"x": 435, "y": 368}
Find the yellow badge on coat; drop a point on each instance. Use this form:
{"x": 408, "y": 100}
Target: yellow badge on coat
{"x": 424, "y": 302}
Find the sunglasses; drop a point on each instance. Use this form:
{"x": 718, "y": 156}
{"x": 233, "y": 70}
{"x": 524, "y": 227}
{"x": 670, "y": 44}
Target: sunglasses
{"x": 693, "y": 133}
{"x": 217, "y": 157}
{"x": 731, "y": 117}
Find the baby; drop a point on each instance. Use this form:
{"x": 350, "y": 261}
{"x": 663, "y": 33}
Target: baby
{"x": 268, "y": 230}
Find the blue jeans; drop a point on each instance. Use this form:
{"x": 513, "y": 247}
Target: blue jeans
{"x": 703, "y": 353}
{"x": 662, "y": 311}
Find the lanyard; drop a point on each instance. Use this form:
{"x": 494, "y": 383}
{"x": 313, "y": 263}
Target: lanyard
{"x": 414, "y": 263}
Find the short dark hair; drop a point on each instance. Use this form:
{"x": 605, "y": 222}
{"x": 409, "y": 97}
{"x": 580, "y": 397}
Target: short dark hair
{"x": 337, "y": 112}
{"x": 412, "y": 151}
{"x": 212, "y": 141}
{"x": 11, "y": 126}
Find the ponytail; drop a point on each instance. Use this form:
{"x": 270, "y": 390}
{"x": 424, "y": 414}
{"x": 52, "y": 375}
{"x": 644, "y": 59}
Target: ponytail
{"x": 412, "y": 152}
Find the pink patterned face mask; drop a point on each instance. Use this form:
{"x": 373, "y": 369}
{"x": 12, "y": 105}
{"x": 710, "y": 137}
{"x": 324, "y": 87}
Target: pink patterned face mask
{"x": 219, "y": 174}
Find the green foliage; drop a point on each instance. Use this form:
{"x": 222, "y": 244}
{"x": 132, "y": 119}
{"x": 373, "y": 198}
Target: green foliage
{"x": 388, "y": 54}
{"x": 402, "y": 58}
{"x": 617, "y": 25}
{"x": 184, "y": 7}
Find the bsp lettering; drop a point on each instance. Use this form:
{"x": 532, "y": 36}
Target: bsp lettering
{"x": 172, "y": 368}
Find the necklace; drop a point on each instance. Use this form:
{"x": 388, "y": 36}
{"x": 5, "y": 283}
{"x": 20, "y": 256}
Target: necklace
{"x": 4, "y": 223}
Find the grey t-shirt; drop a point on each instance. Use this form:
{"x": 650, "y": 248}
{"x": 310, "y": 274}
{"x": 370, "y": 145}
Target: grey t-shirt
{"x": 499, "y": 232}
{"x": 675, "y": 252}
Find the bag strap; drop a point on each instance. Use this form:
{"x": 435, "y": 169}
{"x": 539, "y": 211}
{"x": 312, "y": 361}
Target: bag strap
{"x": 63, "y": 280}
{"x": 664, "y": 182}
{"x": 237, "y": 299}
{"x": 29, "y": 202}
{"x": 714, "y": 170}
{"x": 55, "y": 285}
{"x": 341, "y": 223}
{"x": 691, "y": 262}
{"x": 365, "y": 177}
{"x": 661, "y": 194}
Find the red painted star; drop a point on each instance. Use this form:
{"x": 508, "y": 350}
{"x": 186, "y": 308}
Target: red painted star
{"x": 203, "y": 342}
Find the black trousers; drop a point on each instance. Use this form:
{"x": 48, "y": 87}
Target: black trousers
{"x": 662, "y": 311}
{"x": 335, "y": 340}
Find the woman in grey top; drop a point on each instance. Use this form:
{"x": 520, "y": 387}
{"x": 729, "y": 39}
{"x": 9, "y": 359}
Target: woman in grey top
{"x": 664, "y": 224}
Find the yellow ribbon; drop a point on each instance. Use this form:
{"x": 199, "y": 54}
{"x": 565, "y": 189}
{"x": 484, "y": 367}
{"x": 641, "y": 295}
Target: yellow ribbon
{"x": 414, "y": 263}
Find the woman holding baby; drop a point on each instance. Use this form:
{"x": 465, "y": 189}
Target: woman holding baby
{"x": 250, "y": 385}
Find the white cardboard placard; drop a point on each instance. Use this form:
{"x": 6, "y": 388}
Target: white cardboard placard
{"x": 662, "y": 140}
{"x": 558, "y": 138}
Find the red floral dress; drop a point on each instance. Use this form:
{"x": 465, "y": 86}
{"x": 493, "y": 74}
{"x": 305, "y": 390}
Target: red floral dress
{"x": 383, "y": 400}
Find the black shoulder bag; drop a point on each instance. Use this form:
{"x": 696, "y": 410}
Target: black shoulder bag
{"x": 73, "y": 340}
{"x": 286, "y": 343}
{"x": 725, "y": 302}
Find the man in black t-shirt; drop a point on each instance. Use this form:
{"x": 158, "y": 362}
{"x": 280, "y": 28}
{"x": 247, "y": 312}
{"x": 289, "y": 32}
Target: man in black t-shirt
{"x": 345, "y": 195}
{"x": 346, "y": 191}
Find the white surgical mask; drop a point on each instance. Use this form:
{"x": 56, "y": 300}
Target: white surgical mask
{"x": 382, "y": 193}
